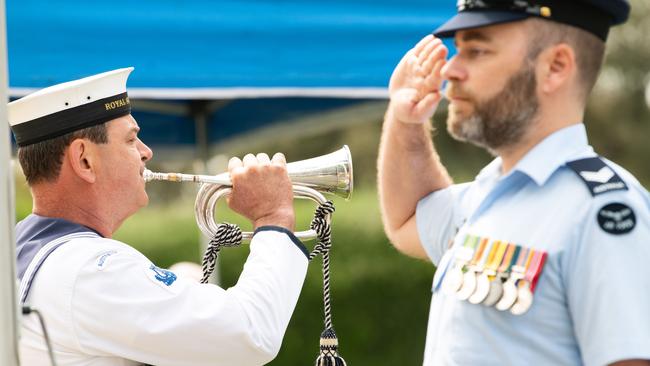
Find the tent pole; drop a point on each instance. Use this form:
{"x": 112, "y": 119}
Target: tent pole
{"x": 199, "y": 111}
{"x": 8, "y": 305}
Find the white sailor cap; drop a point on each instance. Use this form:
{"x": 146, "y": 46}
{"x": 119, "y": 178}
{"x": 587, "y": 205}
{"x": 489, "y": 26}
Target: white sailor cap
{"x": 67, "y": 107}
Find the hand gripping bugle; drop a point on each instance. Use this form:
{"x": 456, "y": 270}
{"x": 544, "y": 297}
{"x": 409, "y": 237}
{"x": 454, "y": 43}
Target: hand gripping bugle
{"x": 330, "y": 173}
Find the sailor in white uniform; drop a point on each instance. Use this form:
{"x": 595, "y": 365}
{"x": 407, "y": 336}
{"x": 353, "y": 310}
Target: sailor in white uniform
{"x": 104, "y": 302}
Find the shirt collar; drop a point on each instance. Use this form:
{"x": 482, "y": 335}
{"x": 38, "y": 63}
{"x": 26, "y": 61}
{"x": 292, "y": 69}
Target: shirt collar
{"x": 547, "y": 156}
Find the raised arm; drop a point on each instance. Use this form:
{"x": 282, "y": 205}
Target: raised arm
{"x": 409, "y": 167}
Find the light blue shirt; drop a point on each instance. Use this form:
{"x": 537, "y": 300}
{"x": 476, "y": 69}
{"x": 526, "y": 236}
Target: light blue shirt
{"x": 592, "y": 302}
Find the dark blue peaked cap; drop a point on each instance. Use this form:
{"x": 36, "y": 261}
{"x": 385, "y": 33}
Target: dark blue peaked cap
{"x": 594, "y": 16}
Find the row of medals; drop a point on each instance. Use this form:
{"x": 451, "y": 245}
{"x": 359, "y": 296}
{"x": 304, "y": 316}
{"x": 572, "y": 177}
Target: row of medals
{"x": 494, "y": 273}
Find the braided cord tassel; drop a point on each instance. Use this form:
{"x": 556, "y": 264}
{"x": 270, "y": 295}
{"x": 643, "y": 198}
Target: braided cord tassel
{"x": 227, "y": 235}
{"x": 329, "y": 343}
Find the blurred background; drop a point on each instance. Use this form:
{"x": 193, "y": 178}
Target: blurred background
{"x": 216, "y": 79}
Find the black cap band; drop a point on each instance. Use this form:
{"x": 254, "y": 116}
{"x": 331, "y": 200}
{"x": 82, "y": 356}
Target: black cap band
{"x": 73, "y": 119}
{"x": 581, "y": 14}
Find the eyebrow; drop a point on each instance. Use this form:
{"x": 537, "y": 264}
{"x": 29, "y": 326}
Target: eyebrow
{"x": 134, "y": 129}
{"x": 474, "y": 35}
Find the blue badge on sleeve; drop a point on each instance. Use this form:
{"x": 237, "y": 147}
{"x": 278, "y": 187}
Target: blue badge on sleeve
{"x": 616, "y": 218}
{"x": 163, "y": 275}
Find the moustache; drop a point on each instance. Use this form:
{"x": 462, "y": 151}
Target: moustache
{"x": 455, "y": 91}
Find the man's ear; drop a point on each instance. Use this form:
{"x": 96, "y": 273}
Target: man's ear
{"x": 556, "y": 68}
{"x": 81, "y": 157}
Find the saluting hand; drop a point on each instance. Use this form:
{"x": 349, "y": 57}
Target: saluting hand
{"x": 416, "y": 81}
{"x": 262, "y": 190}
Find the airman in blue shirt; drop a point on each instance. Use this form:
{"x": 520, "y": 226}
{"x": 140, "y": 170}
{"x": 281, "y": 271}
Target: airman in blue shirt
{"x": 542, "y": 259}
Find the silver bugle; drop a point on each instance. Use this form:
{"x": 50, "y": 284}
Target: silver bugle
{"x": 330, "y": 173}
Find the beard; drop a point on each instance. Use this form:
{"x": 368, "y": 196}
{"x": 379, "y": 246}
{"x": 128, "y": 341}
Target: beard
{"x": 500, "y": 121}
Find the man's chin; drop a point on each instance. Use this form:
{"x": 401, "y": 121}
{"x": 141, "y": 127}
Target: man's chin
{"x": 467, "y": 129}
{"x": 144, "y": 201}
{"x": 457, "y": 116}
{"x": 456, "y": 126}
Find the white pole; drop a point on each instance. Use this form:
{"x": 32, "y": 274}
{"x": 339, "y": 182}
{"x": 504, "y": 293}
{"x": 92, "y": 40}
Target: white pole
{"x": 200, "y": 116}
{"x": 8, "y": 305}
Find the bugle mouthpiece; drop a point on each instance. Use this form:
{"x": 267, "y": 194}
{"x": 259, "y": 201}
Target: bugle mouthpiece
{"x": 148, "y": 176}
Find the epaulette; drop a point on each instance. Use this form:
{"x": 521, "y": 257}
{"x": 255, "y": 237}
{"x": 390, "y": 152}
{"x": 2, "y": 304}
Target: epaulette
{"x": 597, "y": 175}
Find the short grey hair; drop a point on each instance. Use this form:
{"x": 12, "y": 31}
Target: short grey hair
{"x": 589, "y": 49}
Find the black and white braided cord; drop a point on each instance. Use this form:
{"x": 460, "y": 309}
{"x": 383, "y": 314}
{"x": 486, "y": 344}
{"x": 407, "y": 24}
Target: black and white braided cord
{"x": 323, "y": 229}
{"x": 329, "y": 343}
{"x": 228, "y": 235}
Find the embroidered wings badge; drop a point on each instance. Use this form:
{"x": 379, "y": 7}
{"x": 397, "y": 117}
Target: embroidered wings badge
{"x": 616, "y": 218}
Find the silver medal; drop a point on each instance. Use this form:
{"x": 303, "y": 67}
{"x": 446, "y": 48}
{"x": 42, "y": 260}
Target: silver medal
{"x": 482, "y": 289}
{"x": 495, "y": 292}
{"x": 469, "y": 285}
{"x": 453, "y": 280}
{"x": 524, "y": 300}
{"x": 509, "y": 295}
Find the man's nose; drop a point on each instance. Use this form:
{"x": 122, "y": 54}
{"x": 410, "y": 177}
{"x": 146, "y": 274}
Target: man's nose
{"x": 453, "y": 70}
{"x": 145, "y": 152}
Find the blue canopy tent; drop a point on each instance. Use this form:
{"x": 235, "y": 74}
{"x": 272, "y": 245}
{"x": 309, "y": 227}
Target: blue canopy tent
{"x": 207, "y": 70}
{"x": 202, "y": 66}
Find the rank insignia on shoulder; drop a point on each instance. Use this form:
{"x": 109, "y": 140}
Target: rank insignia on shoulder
{"x": 616, "y": 218}
{"x": 163, "y": 275}
{"x": 597, "y": 175}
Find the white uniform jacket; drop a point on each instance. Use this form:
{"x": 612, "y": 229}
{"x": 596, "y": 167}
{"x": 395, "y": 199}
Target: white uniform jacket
{"x": 106, "y": 304}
